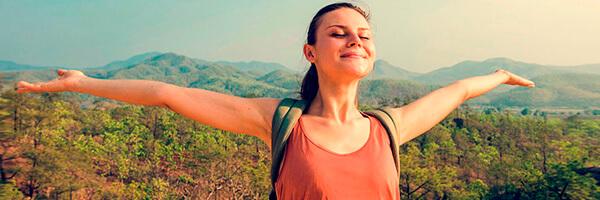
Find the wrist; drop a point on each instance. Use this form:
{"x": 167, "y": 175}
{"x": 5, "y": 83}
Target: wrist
{"x": 76, "y": 85}
{"x": 504, "y": 74}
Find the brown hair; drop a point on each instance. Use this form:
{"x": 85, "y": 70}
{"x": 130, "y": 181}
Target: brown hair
{"x": 310, "y": 83}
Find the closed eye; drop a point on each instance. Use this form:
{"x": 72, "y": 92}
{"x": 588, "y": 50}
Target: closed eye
{"x": 337, "y": 35}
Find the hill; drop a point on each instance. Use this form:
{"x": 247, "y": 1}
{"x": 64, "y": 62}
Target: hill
{"x": 591, "y": 68}
{"x": 466, "y": 69}
{"x": 384, "y": 70}
{"x": 554, "y": 90}
{"x": 387, "y": 84}
{"x": 255, "y": 67}
{"x": 10, "y": 66}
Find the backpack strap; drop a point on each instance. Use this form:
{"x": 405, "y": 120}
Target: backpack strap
{"x": 385, "y": 116}
{"x": 286, "y": 115}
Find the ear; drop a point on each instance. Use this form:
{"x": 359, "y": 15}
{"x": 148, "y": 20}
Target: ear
{"x": 309, "y": 53}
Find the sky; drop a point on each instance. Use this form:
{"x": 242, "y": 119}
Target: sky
{"x": 420, "y": 36}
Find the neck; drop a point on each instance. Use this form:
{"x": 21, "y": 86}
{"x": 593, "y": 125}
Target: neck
{"x": 337, "y": 102}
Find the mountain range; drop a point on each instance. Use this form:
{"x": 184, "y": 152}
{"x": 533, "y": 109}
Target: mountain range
{"x": 556, "y": 86}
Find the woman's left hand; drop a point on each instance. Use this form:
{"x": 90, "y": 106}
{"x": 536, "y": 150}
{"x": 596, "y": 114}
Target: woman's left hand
{"x": 514, "y": 79}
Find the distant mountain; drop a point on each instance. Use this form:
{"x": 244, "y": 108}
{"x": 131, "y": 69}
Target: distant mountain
{"x": 255, "y": 67}
{"x": 10, "y": 66}
{"x": 555, "y": 90}
{"x": 101, "y": 71}
{"x": 384, "y": 70}
{"x": 128, "y": 62}
{"x": 10, "y": 78}
{"x": 189, "y": 72}
{"x": 283, "y": 78}
{"x": 591, "y": 68}
{"x": 387, "y": 84}
{"x": 390, "y": 91}
{"x": 466, "y": 69}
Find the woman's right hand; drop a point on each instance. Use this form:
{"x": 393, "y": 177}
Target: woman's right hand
{"x": 65, "y": 82}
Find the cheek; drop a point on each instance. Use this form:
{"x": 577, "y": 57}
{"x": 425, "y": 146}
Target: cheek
{"x": 330, "y": 46}
{"x": 370, "y": 48}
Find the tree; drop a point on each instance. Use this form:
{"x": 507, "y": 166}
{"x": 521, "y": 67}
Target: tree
{"x": 525, "y": 111}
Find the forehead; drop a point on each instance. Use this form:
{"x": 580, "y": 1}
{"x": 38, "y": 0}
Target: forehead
{"x": 346, "y": 17}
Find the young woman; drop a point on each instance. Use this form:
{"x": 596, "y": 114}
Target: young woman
{"x": 335, "y": 151}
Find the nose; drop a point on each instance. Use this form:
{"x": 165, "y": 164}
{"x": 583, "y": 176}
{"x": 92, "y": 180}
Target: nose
{"x": 354, "y": 40}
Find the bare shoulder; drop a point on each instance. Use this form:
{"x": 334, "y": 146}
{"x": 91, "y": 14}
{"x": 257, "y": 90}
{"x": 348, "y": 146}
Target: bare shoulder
{"x": 397, "y": 116}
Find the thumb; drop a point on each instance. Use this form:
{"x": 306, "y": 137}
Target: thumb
{"x": 61, "y": 72}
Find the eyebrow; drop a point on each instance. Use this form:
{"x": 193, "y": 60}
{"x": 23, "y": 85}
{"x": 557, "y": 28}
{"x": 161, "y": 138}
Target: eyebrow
{"x": 343, "y": 27}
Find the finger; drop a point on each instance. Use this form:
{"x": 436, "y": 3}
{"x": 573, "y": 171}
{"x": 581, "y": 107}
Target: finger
{"x": 23, "y": 84}
{"x": 20, "y": 83}
{"x": 32, "y": 87}
{"x": 50, "y": 86}
{"x": 524, "y": 81}
{"x": 22, "y": 90}
{"x": 23, "y": 87}
{"x": 61, "y": 72}
{"x": 528, "y": 83}
{"x": 28, "y": 87}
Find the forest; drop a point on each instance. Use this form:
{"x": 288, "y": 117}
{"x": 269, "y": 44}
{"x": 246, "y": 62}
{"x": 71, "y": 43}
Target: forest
{"x": 54, "y": 147}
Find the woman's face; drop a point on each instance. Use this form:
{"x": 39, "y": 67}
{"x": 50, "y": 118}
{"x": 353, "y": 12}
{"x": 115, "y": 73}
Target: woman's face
{"x": 344, "y": 48}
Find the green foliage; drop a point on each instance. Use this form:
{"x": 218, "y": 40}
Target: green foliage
{"x": 133, "y": 152}
{"x": 563, "y": 182}
{"x": 493, "y": 155}
{"x": 525, "y": 111}
{"x": 9, "y": 191}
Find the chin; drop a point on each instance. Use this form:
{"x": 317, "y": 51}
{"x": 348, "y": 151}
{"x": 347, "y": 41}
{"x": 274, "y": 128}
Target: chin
{"x": 359, "y": 69}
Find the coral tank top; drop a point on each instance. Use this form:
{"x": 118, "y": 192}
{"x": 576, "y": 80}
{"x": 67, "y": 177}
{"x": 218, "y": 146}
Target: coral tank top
{"x": 310, "y": 171}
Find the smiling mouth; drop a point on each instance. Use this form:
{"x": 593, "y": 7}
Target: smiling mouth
{"x": 353, "y": 56}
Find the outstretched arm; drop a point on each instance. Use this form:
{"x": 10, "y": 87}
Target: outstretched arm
{"x": 141, "y": 92}
{"x": 421, "y": 115}
{"x": 251, "y": 116}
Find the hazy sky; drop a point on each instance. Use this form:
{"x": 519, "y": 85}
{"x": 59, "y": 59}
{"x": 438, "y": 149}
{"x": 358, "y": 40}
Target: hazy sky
{"x": 416, "y": 35}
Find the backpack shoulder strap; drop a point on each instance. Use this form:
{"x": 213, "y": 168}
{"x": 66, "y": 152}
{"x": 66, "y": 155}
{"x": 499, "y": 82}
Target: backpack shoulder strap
{"x": 286, "y": 115}
{"x": 385, "y": 116}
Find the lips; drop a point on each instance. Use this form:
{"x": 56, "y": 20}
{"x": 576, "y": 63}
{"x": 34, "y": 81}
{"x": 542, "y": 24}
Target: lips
{"x": 353, "y": 55}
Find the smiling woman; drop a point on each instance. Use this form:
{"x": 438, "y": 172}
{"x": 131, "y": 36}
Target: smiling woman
{"x": 334, "y": 35}
{"x": 335, "y": 151}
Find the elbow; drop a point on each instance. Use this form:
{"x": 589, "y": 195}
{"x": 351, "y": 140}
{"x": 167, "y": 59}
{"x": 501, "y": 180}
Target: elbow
{"x": 163, "y": 93}
{"x": 464, "y": 89}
